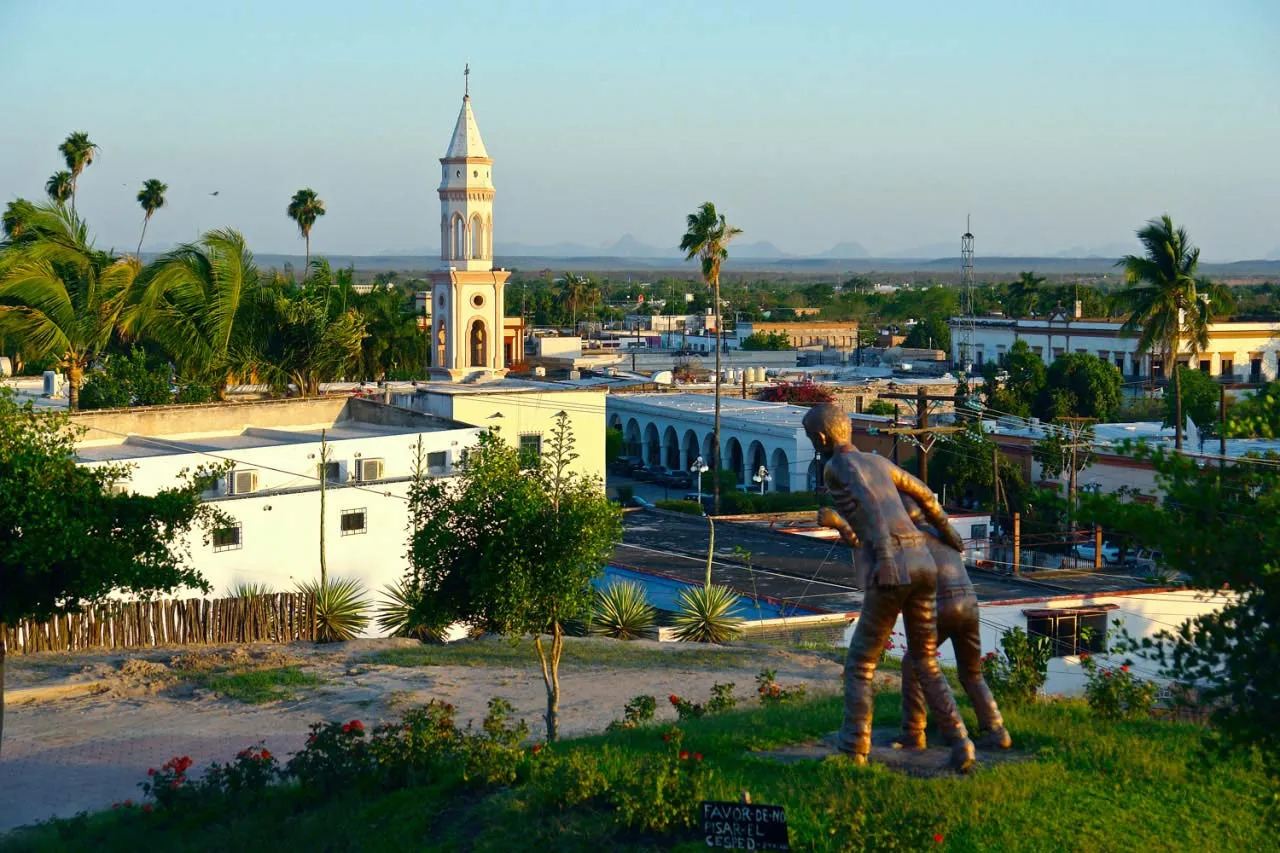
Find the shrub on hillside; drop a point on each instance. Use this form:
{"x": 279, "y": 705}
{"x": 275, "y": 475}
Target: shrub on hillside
{"x": 1115, "y": 693}
{"x": 1016, "y": 673}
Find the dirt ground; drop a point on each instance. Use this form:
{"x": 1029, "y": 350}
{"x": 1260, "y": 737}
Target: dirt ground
{"x": 81, "y": 730}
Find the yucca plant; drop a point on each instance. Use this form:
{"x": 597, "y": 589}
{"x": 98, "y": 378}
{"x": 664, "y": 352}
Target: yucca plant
{"x": 249, "y": 589}
{"x": 705, "y": 615}
{"x": 398, "y": 616}
{"x": 622, "y": 611}
{"x": 341, "y": 608}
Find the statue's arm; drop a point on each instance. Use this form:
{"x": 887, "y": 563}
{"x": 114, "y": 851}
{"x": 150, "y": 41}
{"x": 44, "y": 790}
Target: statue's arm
{"x": 927, "y": 507}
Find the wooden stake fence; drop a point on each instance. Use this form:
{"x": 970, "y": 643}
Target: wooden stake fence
{"x": 277, "y": 618}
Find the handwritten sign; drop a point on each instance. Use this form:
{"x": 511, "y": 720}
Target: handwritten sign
{"x": 743, "y": 826}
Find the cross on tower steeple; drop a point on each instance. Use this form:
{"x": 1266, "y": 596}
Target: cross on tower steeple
{"x": 466, "y": 80}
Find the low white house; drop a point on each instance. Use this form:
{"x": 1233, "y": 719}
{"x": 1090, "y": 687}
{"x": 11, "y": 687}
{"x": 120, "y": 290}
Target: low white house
{"x": 273, "y": 491}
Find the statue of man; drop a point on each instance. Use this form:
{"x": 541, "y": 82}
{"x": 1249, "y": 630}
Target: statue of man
{"x": 957, "y": 621}
{"x": 901, "y": 578}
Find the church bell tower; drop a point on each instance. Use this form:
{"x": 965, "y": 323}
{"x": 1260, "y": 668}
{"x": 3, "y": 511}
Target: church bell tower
{"x": 466, "y": 291}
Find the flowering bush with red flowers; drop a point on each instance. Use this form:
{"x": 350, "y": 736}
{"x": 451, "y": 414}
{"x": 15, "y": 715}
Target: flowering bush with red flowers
{"x": 411, "y": 751}
{"x": 722, "y": 699}
{"x": 252, "y": 770}
{"x": 654, "y": 794}
{"x": 335, "y": 754}
{"x": 1115, "y": 693}
{"x": 773, "y": 693}
{"x": 804, "y": 393}
{"x": 168, "y": 784}
{"x": 1016, "y": 673}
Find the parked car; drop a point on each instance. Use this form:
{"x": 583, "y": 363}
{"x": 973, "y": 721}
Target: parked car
{"x": 676, "y": 479}
{"x": 1110, "y": 553}
{"x": 626, "y": 465}
{"x": 650, "y": 473}
{"x": 1144, "y": 559}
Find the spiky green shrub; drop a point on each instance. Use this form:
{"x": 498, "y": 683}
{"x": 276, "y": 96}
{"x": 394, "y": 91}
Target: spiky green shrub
{"x": 398, "y": 617}
{"x": 622, "y": 611}
{"x": 341, "y": 608}
{"x": 249, "y": 589}
{"x": 705, "y": 615}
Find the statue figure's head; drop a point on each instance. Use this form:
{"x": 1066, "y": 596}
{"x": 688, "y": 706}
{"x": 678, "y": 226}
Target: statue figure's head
{"x": 828, "y": 427}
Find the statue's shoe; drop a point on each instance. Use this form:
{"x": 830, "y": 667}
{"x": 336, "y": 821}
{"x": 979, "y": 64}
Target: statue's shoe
{"x": 962, "y": 755}
{"x": 909, "y": 740}
{"x": 997, "y": 738}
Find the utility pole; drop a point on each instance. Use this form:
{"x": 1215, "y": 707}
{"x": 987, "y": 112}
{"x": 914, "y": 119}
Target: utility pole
{"x": 1222, "y": 426}
{"x": 1078, "y": 426}
{"x": 324, "y": 477}
{"x": 922, "y": 399}
{"x": 744, "y": 383}
{"x": 897, "y": 413}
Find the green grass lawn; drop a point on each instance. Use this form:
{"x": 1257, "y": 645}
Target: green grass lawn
{"x": 577, "y": 652}
{"x": 260, "y": 685}
{"x": 1091, "y": 785}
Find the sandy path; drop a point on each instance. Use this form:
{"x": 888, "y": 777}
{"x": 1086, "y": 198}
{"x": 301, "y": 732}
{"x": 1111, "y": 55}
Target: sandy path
{"x": 64, "y": 754}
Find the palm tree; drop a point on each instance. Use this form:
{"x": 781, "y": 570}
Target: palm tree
{"x": 58, "y": 294}
{"x": 79, "y": 152}
{"x": 303, "y": 344}
{"x": 706, "y": 236}
{"x": 59, "y": 187}
{"x": 151, "y": 197}
{"x": 1024, "y": 294}
{"x": 573, "y": 290}
{"x": 189, "y": 302}
{"x": 1162, "y": 300}
{"x": 304, "y": 209}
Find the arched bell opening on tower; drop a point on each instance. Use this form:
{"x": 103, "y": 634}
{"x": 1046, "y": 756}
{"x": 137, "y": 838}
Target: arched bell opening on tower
{"x": 478, "y": 348}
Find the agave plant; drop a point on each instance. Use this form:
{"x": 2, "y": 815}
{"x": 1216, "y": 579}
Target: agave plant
{"x": 398, "y": 616}
{"x": 249, "y": 589}
{"x": 705, "y": 615}
{"x": 341, "y": 608}
{"x": 622, "y": 611}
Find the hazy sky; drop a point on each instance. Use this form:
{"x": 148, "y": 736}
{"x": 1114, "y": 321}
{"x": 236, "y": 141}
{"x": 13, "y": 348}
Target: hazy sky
{"x": 1056, "y": 124}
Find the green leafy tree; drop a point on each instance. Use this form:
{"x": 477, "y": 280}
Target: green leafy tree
{"x": 967, "y": 462}
{"x": 572, "y": 290}
{"x": 767, "y": 341}
{"x": 1217, "y": 527}
{"x": 1257, "y": 416}
{"x": 512, "y": 550}
{"x": 707, "y": 238}
{"x": 393, "y": 348}
{"x": 151, "y": 197}
{"x": 1018, "y": 394}
{"x": 78, "y": 152}
{"x": 880, "y": 407}
{"x": 932, "y": 333}
{"x": 59, "y": 295}
{"x": 613, "y": 442}
{"x": 127, "y": 379}
{"x": 58, "y": 187}
{"x": 1164, "y": 299}
{"x": 68, "y": 539}
{"x": 304, "y": 209}
{"x": 1200, "y": 398}
{"x": 1081, "y": 385}
{"x": 1024, "y": 294}
{"x": 1053, "y": 449}
{"x": 192, "y": 302}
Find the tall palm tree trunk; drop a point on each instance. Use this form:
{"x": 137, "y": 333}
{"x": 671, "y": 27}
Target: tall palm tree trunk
{"x": 715, "y": 430}
{"x": 306, "y": 263}
{"x": 1177, "y": 399}
{"x": 75, "y": 375}
{"x": 143, "y": 236}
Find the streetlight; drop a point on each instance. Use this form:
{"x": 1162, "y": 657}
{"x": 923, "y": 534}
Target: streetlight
{"x": 697, "y": 469}
{"x": 762, "y": 477}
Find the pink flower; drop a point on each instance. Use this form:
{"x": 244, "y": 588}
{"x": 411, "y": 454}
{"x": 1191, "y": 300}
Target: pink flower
{"x": 674, "y": 699}
{"x": 151, "y": 771}
{"x": 1124, "y": 668}
{"x": 697, "y": 756}
{"x": 937, "y": 838}
{"x": 537, "y": 747}
{"x": 684, "y": 754}
{"x": 147, "y": 807}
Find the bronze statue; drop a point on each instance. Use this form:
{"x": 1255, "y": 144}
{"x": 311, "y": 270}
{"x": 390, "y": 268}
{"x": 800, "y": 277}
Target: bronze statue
{"x": 901, "y": 578}
{"x": 957, "y": 621}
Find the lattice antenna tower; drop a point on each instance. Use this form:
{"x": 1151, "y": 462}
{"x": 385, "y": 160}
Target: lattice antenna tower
{"x": 967, "y": 296}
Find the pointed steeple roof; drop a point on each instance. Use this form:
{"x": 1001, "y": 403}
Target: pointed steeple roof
{"x": 466, "y": 140}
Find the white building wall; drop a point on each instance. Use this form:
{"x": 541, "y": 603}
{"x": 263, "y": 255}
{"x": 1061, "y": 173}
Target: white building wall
{"x": 1238, "y": 344}
{"x": 279, "y": 523}
{"x": 1141, "y": 614}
